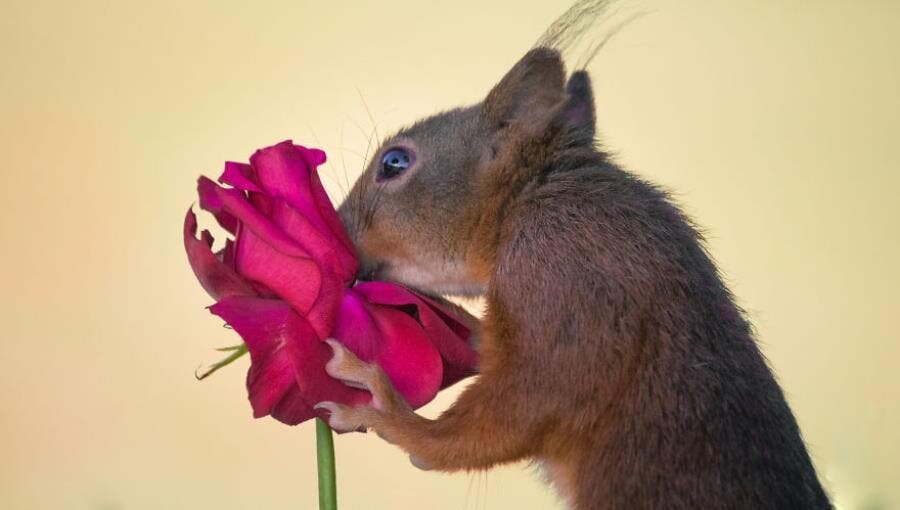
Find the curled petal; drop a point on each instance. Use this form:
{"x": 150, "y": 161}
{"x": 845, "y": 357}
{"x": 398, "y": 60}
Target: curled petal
{"x": 210, "y": 201}
{"x": 218, "y": 279}
{"x": 226, "y": 254}
{"x": 240, "y": 176}
{"x": 232, "y": 201}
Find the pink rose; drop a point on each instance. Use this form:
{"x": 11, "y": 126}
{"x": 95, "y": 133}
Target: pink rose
{"x": 286, "y": 283}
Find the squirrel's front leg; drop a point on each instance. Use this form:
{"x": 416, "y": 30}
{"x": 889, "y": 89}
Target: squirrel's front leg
{"x": 478, "y": 431}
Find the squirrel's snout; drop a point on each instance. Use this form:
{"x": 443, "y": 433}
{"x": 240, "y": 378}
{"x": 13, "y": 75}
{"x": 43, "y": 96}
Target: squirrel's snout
{"x": 368, "y": 270}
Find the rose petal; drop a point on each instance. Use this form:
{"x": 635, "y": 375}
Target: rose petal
{"x": 210, "y": 201}
{"x": 218, "y": 279}
{"x": 283, "y": 171}
{"x": 271, "y": 218}
{"x": 287, "y": 373}
{"x": 295, "y": 280}
{"x": 239, "y": 175}
{"x": 288, "y": 171}
{"x": 347, "y": 256}
{"x": 449, "y": 336}
{"x": 296, "y": 269}
{"x": 226, "y": 254}
{"x": 235, "y": 203}
{"x": 314, "y": 157}
{"x": 322, "y": 249}
{"x": 395, "y": 341}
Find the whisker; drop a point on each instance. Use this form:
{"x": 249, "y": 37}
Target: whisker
{"x": 373, "y": 206}
{"x": 363, "y": 187}
{"x": 369, "y": 113}
{"x": 335, "y": 178}
{"x": 484, "y": 489}
{"x": 343, "y": 158}
{"x": 362, "y": 131}
{"x": 377, "y": 202}
{"x": 468, "y": 491}
{"x": 328, "y": 165}
{"x": 351, "y": 151}
{"x": 368, "y": 148}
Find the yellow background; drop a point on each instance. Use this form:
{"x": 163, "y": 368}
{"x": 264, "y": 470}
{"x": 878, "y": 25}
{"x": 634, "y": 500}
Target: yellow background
{"x": 775, "y": 121}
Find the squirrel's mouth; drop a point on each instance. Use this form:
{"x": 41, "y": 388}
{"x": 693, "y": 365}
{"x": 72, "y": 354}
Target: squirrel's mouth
{"x": 428, "y": 281}
{"x": 385, "y": 272}
{"x": 370, "y": 270}
{"x": 381, "y": 271}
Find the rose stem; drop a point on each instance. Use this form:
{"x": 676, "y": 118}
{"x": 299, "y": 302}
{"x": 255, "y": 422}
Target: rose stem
{"x": 325, "y": 461}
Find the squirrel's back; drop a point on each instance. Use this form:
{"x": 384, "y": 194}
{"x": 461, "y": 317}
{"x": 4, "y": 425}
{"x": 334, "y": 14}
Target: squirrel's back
{"x": 616, "y": 288}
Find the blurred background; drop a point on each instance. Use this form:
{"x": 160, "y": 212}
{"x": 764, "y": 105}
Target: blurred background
{"x": 775, "y": 121}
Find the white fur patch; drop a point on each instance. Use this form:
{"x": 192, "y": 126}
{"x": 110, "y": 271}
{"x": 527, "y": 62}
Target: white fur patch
{"x": 443, "y": 279}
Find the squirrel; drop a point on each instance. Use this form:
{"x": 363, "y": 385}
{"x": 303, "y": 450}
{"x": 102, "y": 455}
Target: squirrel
{"x": 611, "y": 351}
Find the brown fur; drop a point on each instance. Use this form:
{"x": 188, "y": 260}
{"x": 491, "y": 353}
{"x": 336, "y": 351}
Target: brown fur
{"x": 610, "y": 348}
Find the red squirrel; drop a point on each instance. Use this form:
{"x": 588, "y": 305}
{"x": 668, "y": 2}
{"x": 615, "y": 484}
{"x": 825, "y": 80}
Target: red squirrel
{"x": 611, "y": 351}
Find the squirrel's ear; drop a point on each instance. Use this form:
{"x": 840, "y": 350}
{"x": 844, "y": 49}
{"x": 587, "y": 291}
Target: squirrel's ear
{"x": 530, "y": 93}
{"x": 578, "y": 113}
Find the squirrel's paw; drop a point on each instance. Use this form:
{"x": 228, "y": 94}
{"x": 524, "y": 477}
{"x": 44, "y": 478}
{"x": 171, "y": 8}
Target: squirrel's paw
{"x": 352, "y": 371}
{"x": 387, "y": 407}
{"x": 344, "y": 418}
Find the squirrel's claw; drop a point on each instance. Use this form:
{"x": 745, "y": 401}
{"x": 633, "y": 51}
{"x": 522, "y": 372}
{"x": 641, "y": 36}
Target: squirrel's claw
{"x": 343, "y": 418}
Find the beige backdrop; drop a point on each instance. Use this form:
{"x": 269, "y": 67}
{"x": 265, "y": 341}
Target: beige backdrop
{"x": 775, "y": 121}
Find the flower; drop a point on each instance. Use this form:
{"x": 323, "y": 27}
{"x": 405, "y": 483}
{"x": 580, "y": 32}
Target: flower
{"x": 286, "y": 282}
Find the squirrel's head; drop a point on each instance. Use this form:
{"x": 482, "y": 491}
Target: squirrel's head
{"x": 427, "y": 210}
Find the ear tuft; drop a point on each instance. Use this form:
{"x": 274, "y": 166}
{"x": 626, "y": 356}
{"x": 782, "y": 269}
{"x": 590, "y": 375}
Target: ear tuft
{"x": 529, "y": 92}
{"x": 578, "y": 113}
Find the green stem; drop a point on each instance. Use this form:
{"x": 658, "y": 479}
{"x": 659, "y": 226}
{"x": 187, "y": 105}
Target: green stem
{"x": 325, "y": 461}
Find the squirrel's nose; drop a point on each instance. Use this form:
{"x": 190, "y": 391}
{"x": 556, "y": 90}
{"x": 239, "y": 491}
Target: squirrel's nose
{"x": 368, "y": 270}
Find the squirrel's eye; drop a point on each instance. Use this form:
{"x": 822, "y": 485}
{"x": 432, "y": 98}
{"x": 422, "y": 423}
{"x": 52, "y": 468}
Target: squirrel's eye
{"x": 394, "y": 163}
